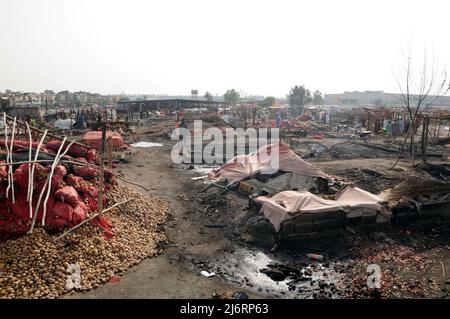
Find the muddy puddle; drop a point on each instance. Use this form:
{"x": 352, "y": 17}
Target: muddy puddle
{"x": 280, "y": 276}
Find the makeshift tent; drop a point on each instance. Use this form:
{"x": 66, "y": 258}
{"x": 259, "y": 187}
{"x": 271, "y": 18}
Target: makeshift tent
{"x": 289, "y": 204}
{"x": 94, "y": 139}
{"x": 244, "y": 166}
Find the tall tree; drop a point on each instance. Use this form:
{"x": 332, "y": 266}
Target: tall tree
{"x": 231, "y": 96}
{"x": 317, "y": 97}
{"x": 298, "y": 97}
{"x": 268, "y": 101}
{"x": 420, "y": 87}
{"x": 208, "y": 96}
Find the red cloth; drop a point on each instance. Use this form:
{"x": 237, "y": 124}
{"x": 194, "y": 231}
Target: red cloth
{"x": 104, "y": 223}
{"x": 20, "y": 176}
{"x": 60, "y": 216}
{"x": 91, "y": 155}
{"x": 94, "y": 139}
{"x": 68, "y": 194}
{"x": 86, "y": 172}
{"x": 75, "y": 150}
{"x": 18, "y": 143}
{"x": 20, "y": 208}
{"x": 3, "y": 171}
{"x": 79, "y": 213}
{"x": 74, "y": 180}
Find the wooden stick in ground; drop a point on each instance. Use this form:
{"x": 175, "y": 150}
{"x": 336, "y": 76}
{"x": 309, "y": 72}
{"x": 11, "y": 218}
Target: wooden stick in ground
{"x": 10, "y": 160}
{"x": 7, "y": 152}
{"x": 29, "y": 164}
{"x": 110, "y": 149}
{"x": 9, "y": 157}
{"x": 91, "y": 218}
{"x": 102, "y": 171}
{"x": 30, "y": 199}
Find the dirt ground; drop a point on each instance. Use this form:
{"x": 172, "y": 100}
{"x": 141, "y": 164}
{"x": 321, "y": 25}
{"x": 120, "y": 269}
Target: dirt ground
{"x": 202, "y": 237}
{"x": 167, "y": 276}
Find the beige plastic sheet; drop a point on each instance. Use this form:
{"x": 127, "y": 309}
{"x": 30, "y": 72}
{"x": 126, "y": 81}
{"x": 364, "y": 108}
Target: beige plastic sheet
{"x": 288, "y": 204}
{"x": 243, "y": 166}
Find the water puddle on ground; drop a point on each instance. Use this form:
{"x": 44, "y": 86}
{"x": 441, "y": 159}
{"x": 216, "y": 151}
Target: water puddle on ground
{"x": 280, "y": 277}
{"x": 146, "y": 144}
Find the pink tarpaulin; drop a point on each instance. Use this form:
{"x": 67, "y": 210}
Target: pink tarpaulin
{"x": 288, "y": 204}
{"x": 94, "y": 139}
{"x": 243, "y": 166}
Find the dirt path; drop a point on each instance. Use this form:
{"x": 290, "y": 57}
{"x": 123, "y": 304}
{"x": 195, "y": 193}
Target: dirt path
{"x": 167, "y": 276}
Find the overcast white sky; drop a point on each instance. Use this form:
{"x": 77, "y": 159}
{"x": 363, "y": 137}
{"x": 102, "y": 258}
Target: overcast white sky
{"x": 171, "y": 47}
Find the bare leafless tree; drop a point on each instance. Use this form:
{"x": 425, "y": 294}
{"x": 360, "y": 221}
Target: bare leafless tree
{"x": 420, "y": 88}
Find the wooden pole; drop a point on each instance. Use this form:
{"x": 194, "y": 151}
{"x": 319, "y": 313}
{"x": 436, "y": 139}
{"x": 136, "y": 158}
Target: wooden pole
{"x": 426, "y": 124}
{"x": 102, "y": 171}
{"x": 110, "y": 149}
{"x": 423, "y": 145}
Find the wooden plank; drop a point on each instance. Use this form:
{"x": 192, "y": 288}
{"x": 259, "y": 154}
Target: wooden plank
{"x": 102, "y": 172}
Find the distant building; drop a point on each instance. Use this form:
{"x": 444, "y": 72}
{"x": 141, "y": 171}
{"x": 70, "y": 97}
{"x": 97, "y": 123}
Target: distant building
{"x": 80, "y": 98}
{"x": 48, "y": 98}
{"x": 375, "y": 98}
{"x": 22, "y": 111}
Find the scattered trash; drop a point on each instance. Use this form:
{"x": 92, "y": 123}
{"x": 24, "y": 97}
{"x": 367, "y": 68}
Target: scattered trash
{"x": 240, "y": 295}
{"x": 115, "y": 278}
{"x": 207, "y": 274}
{"x": 315, "y": 257}
{"x": 198, "y": 178}
{"x": 204, "y": 169}
{"x": 146, "y": 144}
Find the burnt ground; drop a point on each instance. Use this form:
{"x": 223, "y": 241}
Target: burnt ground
{"x": 210, "y": 231}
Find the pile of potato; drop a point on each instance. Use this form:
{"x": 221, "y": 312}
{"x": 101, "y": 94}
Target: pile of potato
{"x": 36, "y": 266}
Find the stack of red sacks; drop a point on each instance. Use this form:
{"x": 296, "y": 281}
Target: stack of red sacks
{"x": 73, "y": 196}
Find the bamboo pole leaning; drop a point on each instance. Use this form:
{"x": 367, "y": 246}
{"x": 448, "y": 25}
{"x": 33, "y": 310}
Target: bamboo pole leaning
{"x": 29, "y": 164}
{"x": 33, "y": 164}
{"x": 91, "y": 218}
{"x": 102, "y": 171}
{"x": 10, "y": 171}
{"x": 7, "y": 151}
{"x": 8, "y": 158}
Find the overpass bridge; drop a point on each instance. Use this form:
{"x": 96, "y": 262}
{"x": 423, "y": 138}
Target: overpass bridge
{"x": 167, "y": 104}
